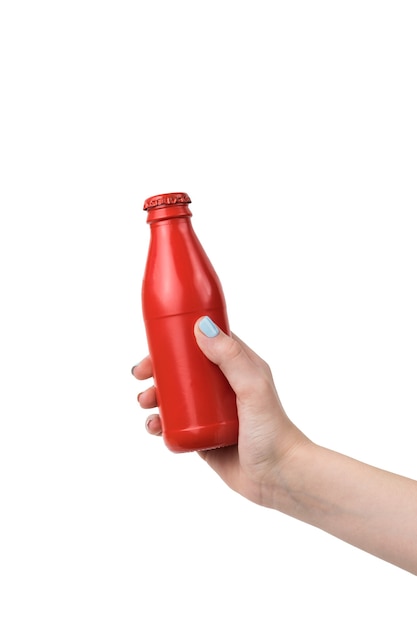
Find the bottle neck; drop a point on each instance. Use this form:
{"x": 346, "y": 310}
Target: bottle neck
{"x": 167, "y": 212}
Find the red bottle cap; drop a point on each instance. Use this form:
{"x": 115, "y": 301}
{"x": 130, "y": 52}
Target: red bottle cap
{"x": 166, "y": 199}
{"x": 166, "y": 206}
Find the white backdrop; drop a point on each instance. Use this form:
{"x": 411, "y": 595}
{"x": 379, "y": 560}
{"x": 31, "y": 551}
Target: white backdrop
{"x": 292, "y": 125}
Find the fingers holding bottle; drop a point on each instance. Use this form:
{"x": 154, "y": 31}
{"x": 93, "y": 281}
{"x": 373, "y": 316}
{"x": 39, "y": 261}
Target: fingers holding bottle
{"x": 147, "y": 399}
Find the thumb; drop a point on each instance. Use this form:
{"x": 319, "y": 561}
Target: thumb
{"x": 238, "y": 363}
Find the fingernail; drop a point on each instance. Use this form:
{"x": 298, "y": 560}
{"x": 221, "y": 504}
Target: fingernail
{"x": 208, "y": 327}
{"x": 133, "y": 368}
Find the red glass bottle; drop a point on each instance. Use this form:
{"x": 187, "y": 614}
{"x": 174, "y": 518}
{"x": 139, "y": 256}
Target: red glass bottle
{"x": 196, "y": 403}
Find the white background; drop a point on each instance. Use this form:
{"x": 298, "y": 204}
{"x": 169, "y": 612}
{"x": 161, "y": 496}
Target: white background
{"x": 292, "y": 125}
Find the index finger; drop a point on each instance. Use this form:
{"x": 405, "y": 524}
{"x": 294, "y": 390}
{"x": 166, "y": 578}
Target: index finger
{"x": 143, "y": 369}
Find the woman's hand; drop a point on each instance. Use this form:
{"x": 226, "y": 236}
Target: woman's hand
{"x": 266, "y": 436}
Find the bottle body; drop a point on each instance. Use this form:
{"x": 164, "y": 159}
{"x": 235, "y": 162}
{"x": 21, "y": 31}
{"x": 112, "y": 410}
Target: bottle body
{"x": 196, "y": 403}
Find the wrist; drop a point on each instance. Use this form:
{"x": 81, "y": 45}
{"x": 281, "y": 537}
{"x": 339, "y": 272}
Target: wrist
{"x": 286, "y": 483}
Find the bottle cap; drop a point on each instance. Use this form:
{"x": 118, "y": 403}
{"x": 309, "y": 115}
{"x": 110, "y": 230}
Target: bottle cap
{"x": 166, "y": 199}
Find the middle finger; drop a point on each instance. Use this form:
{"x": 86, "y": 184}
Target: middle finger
{"x": 147, "y": 399}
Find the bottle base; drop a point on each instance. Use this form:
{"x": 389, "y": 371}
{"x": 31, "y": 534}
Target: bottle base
{"x": 202, "y": 438}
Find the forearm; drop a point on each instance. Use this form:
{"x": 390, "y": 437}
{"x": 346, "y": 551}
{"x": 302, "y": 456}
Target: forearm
{"x": 367, "y": 507}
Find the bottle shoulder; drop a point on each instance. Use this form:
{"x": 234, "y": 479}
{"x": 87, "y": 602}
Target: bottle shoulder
{"x": 178, "y": 274}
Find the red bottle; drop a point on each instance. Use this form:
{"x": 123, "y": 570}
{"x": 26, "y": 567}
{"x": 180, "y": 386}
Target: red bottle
{"x": 196, "y": 403}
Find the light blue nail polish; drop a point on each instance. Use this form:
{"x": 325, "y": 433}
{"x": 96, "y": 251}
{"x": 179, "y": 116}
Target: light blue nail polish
{"x": 208, "y": 327}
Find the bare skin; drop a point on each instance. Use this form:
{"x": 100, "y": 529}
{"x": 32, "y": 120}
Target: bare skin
{"x": 277, "y": 466}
